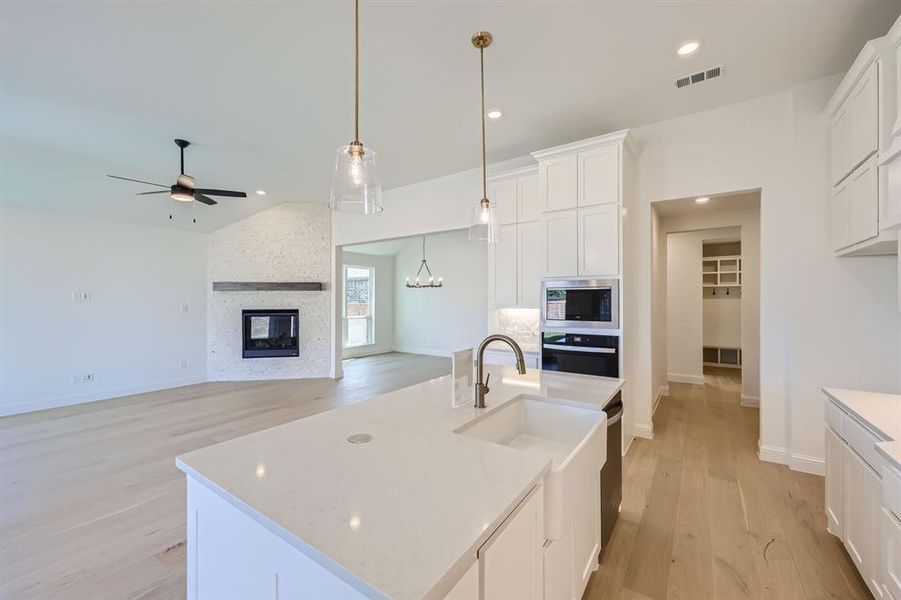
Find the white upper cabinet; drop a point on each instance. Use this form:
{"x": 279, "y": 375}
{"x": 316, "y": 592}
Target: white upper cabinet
{"x": 863, "y": 117}
{"x": 502, "y": 265}
{"x": 865, "y": 156}
{"x": 502, "y": 194}
{"x": 864, "y": 202}
{"x": 841, "y": 206}
{"x": 530, "y": 244}
{"x": 561, "y": 248}
{"x": 841, "y": 152}
{"x": 559, "y": 182}
{"x": 529, "y": 198}
{"x": 599, "y": 176}
{"x": 599, "y": 240}
{"x": 581, "y": 195}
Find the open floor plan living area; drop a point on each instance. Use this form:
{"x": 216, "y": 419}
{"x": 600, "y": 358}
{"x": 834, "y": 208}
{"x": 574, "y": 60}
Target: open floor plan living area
{"x": 480, "y": 300}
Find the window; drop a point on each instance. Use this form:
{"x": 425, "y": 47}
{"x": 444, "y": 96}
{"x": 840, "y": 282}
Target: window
{"x": 358, "y": 295}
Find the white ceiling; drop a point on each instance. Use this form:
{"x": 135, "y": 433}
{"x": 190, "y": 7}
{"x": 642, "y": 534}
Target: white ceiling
{"x": 683, "y": 207}
{"x": 264, "y": 89}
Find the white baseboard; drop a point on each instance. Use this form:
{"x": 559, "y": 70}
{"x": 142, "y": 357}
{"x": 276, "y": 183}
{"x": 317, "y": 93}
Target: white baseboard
{"x": 807, "y": 464}
{"x": 772, "y": 454}
{"x": 93, "y": 396}
{"x": 425, "y": 351}
{"x": 661, "y": 392}
{"x": 750, "y": 401}
{"x": 683, "y": 378}
{"x": 643, "y": 430}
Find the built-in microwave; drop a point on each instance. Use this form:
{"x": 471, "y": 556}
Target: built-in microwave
{"x": 588, "y": 303}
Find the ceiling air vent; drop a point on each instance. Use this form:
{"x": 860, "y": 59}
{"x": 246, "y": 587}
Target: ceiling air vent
{"x": 699, "y": 77}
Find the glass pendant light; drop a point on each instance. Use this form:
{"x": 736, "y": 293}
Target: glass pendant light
{"x": 355, "y": 182}
{"x": 483, "y": 228}
{"x": 431, "y": 282}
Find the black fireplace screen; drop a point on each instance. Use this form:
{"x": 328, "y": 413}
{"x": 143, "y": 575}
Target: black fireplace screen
{"x": 270, "y": 333}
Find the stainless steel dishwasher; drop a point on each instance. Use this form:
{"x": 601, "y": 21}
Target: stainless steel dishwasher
{"x": 612, "y": 471}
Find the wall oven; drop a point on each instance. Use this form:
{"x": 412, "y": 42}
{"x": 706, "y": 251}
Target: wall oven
{"x": 580, "y": 353}
{"x": 579, "y": 303}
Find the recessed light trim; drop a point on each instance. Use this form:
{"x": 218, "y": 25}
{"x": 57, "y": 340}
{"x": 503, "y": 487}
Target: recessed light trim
{"x": 688, "y": 48}
{"x": 702, "y": 200}
{"x": 495, "y": 114}
{"x": 261, "y": 192}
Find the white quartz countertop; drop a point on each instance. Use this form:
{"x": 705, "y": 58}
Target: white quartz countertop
{"x": 403, "y": 515}
{"x": 880, "y": 412}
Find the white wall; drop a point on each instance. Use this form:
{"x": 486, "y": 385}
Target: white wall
{"x": 132, "y": 335}
{"x": 383, "y": 303}
{"x": 809, "y": 300}
{"x": 684, "y": 310}
{"x": 290, "y": 242}
{"x": 439, "y": 321}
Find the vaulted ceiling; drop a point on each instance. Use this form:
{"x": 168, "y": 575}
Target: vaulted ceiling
{"x": 264, "y": 89}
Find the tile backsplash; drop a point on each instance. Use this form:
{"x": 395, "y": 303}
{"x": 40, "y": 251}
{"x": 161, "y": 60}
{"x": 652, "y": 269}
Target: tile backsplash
{"x": 519, "y": 323}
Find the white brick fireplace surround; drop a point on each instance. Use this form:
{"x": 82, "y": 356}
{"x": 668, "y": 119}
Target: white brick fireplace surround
{"x": 290, "y": 242}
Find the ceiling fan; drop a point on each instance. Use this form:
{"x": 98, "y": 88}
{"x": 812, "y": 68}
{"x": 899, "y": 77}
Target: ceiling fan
{"x": 184, "y": 190}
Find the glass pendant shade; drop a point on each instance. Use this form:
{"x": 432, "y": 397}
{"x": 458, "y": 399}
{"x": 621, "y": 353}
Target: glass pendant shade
{"x": 355, "y": 182}
{"x": 483, "y": 228}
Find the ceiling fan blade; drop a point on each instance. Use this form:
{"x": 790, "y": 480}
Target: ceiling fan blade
{"x": 205, "y": 199}
{"x": 221, "y": 192}
{"x": 137, "y": 181}
{"x": 153, "y": 192}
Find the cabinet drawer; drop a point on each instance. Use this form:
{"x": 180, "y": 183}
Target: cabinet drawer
{"x": 834, "y": 416}
{"x": 862, "y": 440}
{"x": 891, "y": 490}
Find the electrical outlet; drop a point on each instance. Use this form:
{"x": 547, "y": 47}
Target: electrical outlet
{"x": 86, "y": 296}
{"x": 88, "y": 377}
{"x": 183, "y": 365}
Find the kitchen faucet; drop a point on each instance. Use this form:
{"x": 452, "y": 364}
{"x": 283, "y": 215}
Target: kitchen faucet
{"x": 482, "y": 387}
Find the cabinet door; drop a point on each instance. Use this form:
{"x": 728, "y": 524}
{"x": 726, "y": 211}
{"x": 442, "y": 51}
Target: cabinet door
{"x": 531, "y": 247}
{"x": 599, "y": 176}
{"x": 558, "y": 182}
{"x": 511, "y": 560}
{"x": 864, "y": 202}
{"x": 502, "y": 194}
{"x": 502, "y": 268}
{"x": 863, "y": 122}
{"x": 586, "y": 538}
{"x": 891, "y": 555}
{"x": 558, "y": 569}
{"x": 841, "y": 158}
{"x": 833, "y": 483}
{"x": 560, "y": 231}
{"x": 861, "y": 489}
{"x": 599, "y": 240}
{"x": 841, "y": 212}
{"x": 529, "y": 198}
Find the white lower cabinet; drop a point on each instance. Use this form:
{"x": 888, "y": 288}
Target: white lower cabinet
{"x": 511, "y": 560}
{"x": 861, "y": 502}
{"x": 834, "y": 450}
{"x": 570, "y": 560}
{"x": 891, "y": 559}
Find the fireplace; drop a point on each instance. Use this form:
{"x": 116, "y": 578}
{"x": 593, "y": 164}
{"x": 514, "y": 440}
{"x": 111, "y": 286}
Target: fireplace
{"x": 269, "y": 333}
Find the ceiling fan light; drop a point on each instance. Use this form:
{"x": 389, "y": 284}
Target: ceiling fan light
{"x": 355, "y": 181}
{"x": 182, "y": 196}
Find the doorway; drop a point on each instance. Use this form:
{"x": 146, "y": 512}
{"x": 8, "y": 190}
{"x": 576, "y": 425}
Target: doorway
{"x": 705, "y": 295}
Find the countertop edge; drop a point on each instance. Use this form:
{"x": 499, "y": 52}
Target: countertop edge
{"x": 834, "y": 395}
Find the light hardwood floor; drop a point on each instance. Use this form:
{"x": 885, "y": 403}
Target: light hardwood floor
{"x": 91, "y": 504}
{"x": 92, "y": 507}
{"x": 702, "y": 517}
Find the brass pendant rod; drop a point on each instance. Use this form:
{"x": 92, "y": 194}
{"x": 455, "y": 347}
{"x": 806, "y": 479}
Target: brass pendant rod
{"x": 484, "y": 168}
{"x": 357, "y": 71}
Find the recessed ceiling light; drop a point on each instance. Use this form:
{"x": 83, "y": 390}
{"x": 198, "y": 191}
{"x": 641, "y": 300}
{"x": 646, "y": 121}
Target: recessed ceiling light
{"x": 688, "y": 48}
{"x": 261, "y": 192}
{"x": 495, "y": 114}
{"x": 702, "y": 200}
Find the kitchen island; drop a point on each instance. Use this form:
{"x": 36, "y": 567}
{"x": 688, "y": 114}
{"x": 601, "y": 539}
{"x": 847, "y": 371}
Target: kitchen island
{"x": 392, "y": 498}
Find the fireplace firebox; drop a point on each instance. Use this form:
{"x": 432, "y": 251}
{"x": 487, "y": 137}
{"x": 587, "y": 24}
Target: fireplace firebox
{"x": 270, "y": 333}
